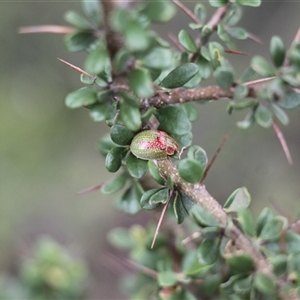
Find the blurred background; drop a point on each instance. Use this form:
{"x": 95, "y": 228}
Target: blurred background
{"x": 48, "y": 153}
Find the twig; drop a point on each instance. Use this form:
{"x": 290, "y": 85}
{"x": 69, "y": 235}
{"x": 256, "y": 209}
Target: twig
{"x": 187, "y": 11}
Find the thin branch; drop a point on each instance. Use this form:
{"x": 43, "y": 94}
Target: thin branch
{"x": 218, "y": 16}
{"x": 199, "y": 194}
{"x": 215, "y": 156}
{"x": 182, "y": 95}
{"x": 187, "y": 11}
{"x": 174, "y": 39}
{"x": 47, "y": 29}
{"x": 283, "y": 142}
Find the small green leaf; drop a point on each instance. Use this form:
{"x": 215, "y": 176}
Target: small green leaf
{"x": 158, "y": 58}
{"x": 204, "y": 67}
{"x": 179, "y": 209}
{"x": 145, "y": 199}
{"x": 190, "y": 111}
{"x": 271, "y": 230}
{"x": 130, "y": 99}
{"x": 218, "y": 3}
{"x": 160, "y": 196}
{"x": 247, "y": 122}
{"x": 265, "y": 216}
{"x": 120, "y": 238}
{"x": 136, "y": 37}
{"x": 240, "y": 92}
{"x": 97, "y": 60}
{"x": 248, "y": 75}
{"x": 183, "y": 140}
{"x": 114, "y": 185}
{"x": 81, "y": 97}
{"x": 131, "y": 117}
{"x": 254, "y": 3}
{"x": 98, "y": 112}
{"x": 77, "y": 20}
{"x": 79, "y": 41}
{"x": 180, "y": 75}
{"x": 264, "y": 283}
{"x": 217, "y": 53}
{"x": 200, "y": 12}
{"x": 105, "y": 145}
{"x": 135, "y": 166}
{"x": 242, "y": 286}
{"x": 279, "y": 264}
{"x": 208, "y": 251}
{"x": 172, "y": 119}
{"x": 240, "y": 263}
{"x": 187, "y": 202}
{"x": 154, "y": 172}
{"x": 121, "y": 135}
{"x": 224, "y": 77}
{"x": 262, "y": 67}
{"x": 114, "y": 158}
{"x": 160, "y": 10}
{"x": 129, "y": 201}
{"x": 290, "y": 100}
{"x": 141, "y": 83}
{"x": 166, "y": 278}
{"x": 246, "y": 220}
{"x": 92, "y": 10}
{"x": 199, "y": 154}
{"x": 190, "y": 170}
{"x": 263, "y": 116}
{"x": 277, "y": 51}
{"x": 239, "y": 199}
{"x": 187, "y": 41}
{"x": 293, "y": 266}
{"x": 280, "y": 114}
{"x": 203, "y": 217}
{"x": 237, "y": 32}
{"x": 292, "y": 240}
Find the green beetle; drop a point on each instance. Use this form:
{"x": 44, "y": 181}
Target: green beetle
{"x": 153, "y": 144}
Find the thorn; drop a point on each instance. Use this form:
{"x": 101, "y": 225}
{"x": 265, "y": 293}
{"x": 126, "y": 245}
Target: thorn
{"x": 46, "y": 29}
{"x": 283, "y": 143}
{"x": 163, "y": 213}
{"x": 215, "y": 155}
{"x": 231, "y": 51}
{"x": 260, "y": 80}
{"x": 191, "y": 237}
{"x": 255, "y": 38}
{"x": 77, "y": 68}
{"x": 90, "y": 189}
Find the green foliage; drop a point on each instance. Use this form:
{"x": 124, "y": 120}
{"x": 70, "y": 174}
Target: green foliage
{"x": 142, "y": 88}
{"x": 49, "y": 273}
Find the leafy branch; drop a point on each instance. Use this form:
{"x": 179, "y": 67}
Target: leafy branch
{"x": 141, "y": 87}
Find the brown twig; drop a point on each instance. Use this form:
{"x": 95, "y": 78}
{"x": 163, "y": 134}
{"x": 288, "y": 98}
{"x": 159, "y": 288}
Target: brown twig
{"x": 218, "y": 16}
{"x": 187, "y": 11}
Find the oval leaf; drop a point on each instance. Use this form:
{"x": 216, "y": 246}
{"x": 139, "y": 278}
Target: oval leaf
{"x": 180, "y": 75}
{"x": 190, "y": 170}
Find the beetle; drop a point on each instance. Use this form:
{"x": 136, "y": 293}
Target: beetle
{"x": 153, "y": 145}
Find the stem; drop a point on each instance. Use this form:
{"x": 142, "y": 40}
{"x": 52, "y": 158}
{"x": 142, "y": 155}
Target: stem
{"x": 199, "y": 194}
